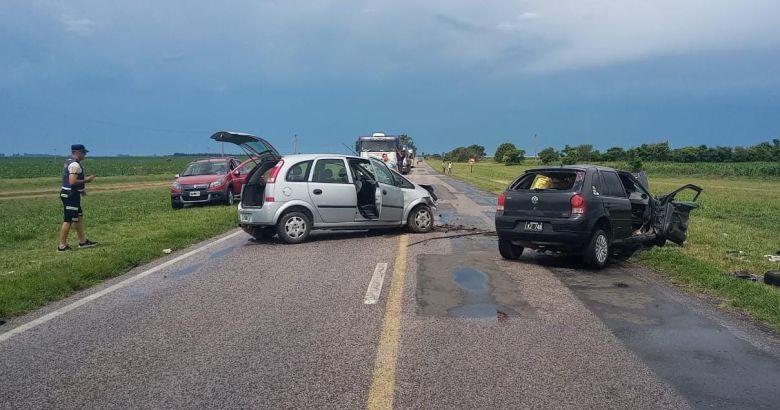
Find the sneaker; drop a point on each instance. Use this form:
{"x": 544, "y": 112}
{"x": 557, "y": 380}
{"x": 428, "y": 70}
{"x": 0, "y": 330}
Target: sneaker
{"x": 87, "y": 244}
{"x": 64, "y": 248}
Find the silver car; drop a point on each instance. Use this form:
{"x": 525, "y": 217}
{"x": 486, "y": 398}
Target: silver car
{"x": 290, "y": 196}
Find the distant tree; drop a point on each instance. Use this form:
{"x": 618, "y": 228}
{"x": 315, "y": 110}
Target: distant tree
{"x": 478, "y": 150}
{"x": 501, "y": 150}
{"x": 514, "y": 156}
{"x": 614, "y": 154}
{"x": 584, "y": 152}
{"x": 548, "y": 155}
{"x": 569, "y": 155}
{"x": 635, "y": 163}
{"x": 408, "y": 141}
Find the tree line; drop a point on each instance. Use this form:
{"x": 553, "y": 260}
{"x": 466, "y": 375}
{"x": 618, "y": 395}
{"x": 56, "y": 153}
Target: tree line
{"x": 509, "y": 154}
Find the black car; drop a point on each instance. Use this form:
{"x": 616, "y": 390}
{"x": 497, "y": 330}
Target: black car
{"x": 591, "y": 210}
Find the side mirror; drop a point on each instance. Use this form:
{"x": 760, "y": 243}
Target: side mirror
{"x": 176, "y": 176}
{"x": 237, "y": 172}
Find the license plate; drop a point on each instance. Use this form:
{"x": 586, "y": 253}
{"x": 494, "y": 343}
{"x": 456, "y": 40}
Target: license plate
{"x": 246, "y": 217}
{"x": 534, "y": 226}
{"x": 195, "y": 193}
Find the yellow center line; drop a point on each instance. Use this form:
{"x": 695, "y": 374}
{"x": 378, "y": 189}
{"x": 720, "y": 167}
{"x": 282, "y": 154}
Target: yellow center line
{"x": 380, "y": 396}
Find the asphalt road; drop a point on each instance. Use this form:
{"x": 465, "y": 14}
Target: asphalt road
{"x": 244, "y": 324}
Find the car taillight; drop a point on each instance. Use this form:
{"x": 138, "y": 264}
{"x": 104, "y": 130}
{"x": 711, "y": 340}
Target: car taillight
{"x": 501, "y": 202}
{"x": 269, "y": 199}
{"x": 275, "y": 172}
{"x": 577, "y": 204}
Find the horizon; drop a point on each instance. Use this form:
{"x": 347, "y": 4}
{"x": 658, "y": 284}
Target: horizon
{"x": 156, "y": 79}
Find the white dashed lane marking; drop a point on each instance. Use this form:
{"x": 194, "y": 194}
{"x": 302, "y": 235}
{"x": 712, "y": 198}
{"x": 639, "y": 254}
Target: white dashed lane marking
{"x": 375, "y": 286}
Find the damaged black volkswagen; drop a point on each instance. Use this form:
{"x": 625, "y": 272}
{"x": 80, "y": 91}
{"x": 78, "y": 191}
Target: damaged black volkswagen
{"x": 593, "y": 211}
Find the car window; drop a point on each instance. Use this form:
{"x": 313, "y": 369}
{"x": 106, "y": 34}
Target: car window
{"x": 596, "y": 186}
{"x": 299, "y": 172}
{"x": 554, "y": 180}
{"x": 631, "y": 184}
{"x": 401, "y": 182}
{"x": 613, "y": 185}
{"x": 383, "y": 174}
{"x": 361, "y": 170}
{"x": 331, "y": 171}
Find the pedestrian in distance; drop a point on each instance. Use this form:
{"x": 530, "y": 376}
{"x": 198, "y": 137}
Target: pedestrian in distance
{"x": 449, "y": 168}
{"x": 73, "y": 181}
{"x": 443, "y": 167}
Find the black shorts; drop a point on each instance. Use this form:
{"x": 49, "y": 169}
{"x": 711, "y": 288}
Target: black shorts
{"x": 71, "y": 205}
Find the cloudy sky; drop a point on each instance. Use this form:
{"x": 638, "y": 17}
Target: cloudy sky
{"x": 156, "y": 77}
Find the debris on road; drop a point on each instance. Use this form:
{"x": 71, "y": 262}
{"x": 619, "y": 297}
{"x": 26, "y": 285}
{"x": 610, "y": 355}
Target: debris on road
{"x": 470, "y": 231}
{"x": 736, "y": 254}
{"x": 167, "y": 250}
{"x": 773, "y": 258}
{"x": 743, "y": 274}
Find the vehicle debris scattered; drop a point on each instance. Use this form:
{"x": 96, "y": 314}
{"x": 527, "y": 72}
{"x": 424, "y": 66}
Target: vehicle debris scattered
{"x": 773, "y": 258}
{"x": 743, "y": 274}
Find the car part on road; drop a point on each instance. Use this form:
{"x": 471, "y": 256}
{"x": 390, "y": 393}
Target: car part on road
{"x": 773, "y": 258}
{"x": 294, "y": 227}
{"x": 743, "y": 274}
{"x": 772, "y": 277}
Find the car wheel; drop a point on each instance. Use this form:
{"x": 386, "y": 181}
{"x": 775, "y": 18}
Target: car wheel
{"x": 293, "y": 227}
{"x": 177, "y": 204}
{"x": 597, "y": 252}
{"x": 230, "y": 198}
{"x": 508, "y": 250}
{"x": 420, "y": 219}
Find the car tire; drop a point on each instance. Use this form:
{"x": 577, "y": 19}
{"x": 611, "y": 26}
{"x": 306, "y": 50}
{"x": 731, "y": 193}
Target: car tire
{"x": 176, "y": 204}
{"x": 420, "y": 220}
{"x": 772, "y": 277}
{"x": 230, "y": 198}
{"x": 596, "y": 253}
{"x": 293, "y": 227}
{"x": 508, "y": 250}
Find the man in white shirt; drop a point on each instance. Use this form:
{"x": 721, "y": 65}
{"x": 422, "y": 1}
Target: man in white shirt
{"x": 73, "y": 181}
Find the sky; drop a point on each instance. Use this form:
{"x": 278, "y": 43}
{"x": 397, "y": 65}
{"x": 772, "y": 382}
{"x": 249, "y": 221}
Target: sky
{"x": 150, "y": 77}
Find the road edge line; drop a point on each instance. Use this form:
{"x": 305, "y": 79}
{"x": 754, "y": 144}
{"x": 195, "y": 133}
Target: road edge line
{"x": 65, "y": 309}
{"x": 380, "y": 395}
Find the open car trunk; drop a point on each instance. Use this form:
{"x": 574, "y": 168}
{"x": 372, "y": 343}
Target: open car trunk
{"x": 262, "y": 153}
{"x": 253, "y": 192}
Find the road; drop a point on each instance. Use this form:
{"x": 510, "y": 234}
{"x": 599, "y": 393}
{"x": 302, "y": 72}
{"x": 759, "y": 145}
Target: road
{"x": 242, "y": 324}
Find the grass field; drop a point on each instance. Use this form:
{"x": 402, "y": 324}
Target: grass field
{"x": 737, "y": 214}
{"x": 133, "y": 227}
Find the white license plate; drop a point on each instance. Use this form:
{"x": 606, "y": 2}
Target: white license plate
{"x": 246, "y": 217}
{"x": 534, "y": 226}
{"x": 195, "y": 193}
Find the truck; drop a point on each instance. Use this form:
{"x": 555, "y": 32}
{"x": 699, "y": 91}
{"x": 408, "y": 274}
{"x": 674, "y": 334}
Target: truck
{"x": 384, "y": 148}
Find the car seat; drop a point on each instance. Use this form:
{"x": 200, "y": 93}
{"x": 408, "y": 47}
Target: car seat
{"x": 326, "y": 175}
{"x": 296, "y": 174}
{"x": 343, "y": 176}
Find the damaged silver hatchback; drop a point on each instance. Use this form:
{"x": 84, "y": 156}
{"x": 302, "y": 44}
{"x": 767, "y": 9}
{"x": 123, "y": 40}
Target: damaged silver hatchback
{"x": 291, "y": 196}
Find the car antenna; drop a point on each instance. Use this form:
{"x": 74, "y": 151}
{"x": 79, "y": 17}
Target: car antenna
{"x": 353, "y": 151}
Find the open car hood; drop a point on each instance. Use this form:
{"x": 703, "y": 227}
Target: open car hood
{"x": 255, "y": 146}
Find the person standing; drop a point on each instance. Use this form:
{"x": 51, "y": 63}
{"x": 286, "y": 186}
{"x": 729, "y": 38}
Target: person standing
{"x": 73, "y": 181}
{"x": 449, "y": 168}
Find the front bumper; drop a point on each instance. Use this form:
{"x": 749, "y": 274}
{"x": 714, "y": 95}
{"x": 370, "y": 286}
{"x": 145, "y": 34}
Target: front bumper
{"x": 561, "y": 234}
{"x": 202, "y": 197}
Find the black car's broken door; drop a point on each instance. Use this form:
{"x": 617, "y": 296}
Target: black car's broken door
{"x": 673, "y": 215}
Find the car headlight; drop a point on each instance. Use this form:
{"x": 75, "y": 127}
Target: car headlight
{"x": 216, "y": 184}
{"x": 175, "y": 185}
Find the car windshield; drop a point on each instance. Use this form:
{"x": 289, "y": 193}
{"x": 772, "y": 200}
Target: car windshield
{"x": 377, "y": 146}
{"x": 205, "y": 168}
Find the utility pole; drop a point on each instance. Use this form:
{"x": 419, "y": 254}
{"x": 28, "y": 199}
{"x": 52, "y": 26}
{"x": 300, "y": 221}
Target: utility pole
{"x": 295, "y": 144}
{"x": 223, "y": 148}
{"x": 536, "y": 147}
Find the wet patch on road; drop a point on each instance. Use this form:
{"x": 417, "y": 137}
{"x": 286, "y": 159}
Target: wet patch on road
{"x": 443, "y": 193}
{"x": 188, "y": 270}
{"x": 467, "y": 286}
{"x": 706, "y": 362}
{"x": 223, "y": 252}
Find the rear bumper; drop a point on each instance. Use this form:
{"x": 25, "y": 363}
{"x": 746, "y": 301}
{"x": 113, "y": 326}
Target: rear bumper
{"x": 562, "y": 234}
{"x": 258, "y": 216}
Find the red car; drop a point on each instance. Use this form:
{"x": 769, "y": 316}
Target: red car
{"x": 210, "y": 180}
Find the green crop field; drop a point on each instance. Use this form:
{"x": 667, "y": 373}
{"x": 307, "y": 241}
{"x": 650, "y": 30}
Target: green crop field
{"x": 737, "y": 214}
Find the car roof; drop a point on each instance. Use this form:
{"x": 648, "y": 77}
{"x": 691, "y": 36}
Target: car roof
{"x": 582, "y": 167}
{"x": 306, "y": 157}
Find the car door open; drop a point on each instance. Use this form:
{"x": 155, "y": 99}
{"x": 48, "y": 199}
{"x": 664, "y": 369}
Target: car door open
{"x": 392, "y": 196}
{"x": 673, "y": 215}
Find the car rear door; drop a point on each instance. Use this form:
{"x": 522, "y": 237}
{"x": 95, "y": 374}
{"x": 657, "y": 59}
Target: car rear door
{"x": 392, "y": 196}
{"x": 332, "y": 192}
{"x": 616, "y": 204}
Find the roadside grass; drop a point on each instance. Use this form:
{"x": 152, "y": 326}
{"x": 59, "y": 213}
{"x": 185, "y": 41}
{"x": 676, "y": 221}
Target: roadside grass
{"x": 736, "y": 214}
{"x": 132, "y": 227}
{"x": 36, "y": 167}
